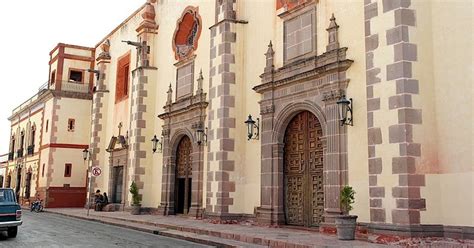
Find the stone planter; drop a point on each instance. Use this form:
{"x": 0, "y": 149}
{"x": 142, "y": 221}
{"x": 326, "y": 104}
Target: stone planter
{"x": 135, "y": 209}
{"x": 346, "y": 227}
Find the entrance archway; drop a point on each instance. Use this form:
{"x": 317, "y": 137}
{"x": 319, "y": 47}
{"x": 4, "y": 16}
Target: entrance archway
{"x": 183, "y": 180}
{"x": 303, "y": 171}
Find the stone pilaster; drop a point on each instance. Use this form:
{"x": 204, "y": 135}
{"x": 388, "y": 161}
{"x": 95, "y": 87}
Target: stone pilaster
{"x": 391, "y": 95}
{"x": 221, "y": 115}
{"x": 99, "y": 98}
{"x": 142, "y": 104}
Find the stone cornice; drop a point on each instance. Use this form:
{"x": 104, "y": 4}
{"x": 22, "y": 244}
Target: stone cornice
{"x": 184, "y": 105}
{"x": 305, "y": 69}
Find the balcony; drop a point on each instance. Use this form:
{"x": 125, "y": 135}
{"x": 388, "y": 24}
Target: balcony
{"x": 11, "y": 156}
{"x": 70, "y": 86}
{"x": 31, "y": 150}
{"x": 19, "y": 153}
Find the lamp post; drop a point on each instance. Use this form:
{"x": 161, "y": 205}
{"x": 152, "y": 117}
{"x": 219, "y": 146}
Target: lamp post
{"x": 86, "y": 155}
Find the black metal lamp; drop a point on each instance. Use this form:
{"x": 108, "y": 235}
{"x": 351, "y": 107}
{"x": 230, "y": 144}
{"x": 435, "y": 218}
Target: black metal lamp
{"x": 345, "y": 111}
{"x": 85, "y": 154}
{"x": 253, "y": 128}
{"x": 201, "y": 135}
{"x": 157, "y": 145}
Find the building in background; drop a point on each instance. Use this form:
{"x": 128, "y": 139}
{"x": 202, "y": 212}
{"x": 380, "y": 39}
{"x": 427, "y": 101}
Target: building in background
{"x": 50, "y": 130}
{"x": 3, "y": 165}
{"x": 233, "y": 109}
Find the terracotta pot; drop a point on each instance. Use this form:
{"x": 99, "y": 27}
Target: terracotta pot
{"x": 346, "y": 227}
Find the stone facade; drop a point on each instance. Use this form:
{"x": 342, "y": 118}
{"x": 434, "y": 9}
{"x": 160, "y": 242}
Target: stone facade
{"x": 211, "y": 64}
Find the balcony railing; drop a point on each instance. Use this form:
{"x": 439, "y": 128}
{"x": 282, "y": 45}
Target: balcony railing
{"x": 11, "y": 156}
{"x": 31, "y": 150}
{"x": 19, "y": 153}
{"x": 71, "y": 86}
{"x": 75, "y": 87}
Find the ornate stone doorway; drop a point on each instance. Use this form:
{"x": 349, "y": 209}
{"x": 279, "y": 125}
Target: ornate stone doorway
{"x": 303, "y": 171}
{"x": 183, "y": 179}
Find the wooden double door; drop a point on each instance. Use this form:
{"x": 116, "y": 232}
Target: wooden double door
{"x": 303, "y": 171}
{"x": 183, "y": 180}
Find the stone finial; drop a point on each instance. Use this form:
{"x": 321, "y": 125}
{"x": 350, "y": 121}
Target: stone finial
{"x": 148, "y": 24}
{"x": 269, "y": 57}
{"x": 333, "y": 42}
{"x": 170, "y": 95}
{"x": 104, "y": 53}
{"x": 199, "y": 81}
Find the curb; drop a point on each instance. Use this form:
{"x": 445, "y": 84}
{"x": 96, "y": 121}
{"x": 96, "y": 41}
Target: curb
{"x": 165, "y": 232}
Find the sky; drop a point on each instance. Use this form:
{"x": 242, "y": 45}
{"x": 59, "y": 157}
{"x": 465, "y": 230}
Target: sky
{"x": 30, "y": 29}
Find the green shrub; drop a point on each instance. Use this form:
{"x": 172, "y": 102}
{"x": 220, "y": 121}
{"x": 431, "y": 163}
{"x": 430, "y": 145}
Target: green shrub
{"x": 136, "y": 198}
{"x": 347, "y": 199}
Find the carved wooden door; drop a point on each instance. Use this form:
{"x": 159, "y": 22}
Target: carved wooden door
{"x": 183, "y": 176}
{"x": 303, "y": 169}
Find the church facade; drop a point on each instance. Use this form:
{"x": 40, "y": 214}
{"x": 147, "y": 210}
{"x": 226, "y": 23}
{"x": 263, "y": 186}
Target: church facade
{"x": 264, "y": 110}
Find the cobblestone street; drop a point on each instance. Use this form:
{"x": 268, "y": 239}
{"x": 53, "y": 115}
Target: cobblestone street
{"x": 50, "y": 230}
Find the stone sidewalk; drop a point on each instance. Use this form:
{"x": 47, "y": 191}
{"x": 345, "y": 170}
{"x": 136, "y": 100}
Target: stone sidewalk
{"x": 200, "y": 231}
{"x": 243, "y": 234}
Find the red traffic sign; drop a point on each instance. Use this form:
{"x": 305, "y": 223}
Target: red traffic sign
{"x": 96, "y": 171}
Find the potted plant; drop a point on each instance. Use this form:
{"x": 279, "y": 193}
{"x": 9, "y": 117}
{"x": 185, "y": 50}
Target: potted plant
{"x": 136, "y": 199}
{"x": 345, "y": 223}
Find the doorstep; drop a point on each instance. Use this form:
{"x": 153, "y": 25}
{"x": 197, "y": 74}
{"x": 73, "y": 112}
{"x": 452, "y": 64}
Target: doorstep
{"x": 224, "y": 235}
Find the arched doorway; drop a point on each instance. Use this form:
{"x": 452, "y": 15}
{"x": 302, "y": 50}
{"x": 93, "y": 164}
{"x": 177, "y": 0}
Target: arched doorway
{"x": 183, "y": 176}
{"x": 303, "y": 171}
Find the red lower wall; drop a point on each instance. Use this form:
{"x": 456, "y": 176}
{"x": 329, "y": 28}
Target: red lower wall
{"x": 61, "y": 197}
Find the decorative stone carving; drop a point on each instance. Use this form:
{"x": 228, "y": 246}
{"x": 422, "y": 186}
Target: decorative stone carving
{"x": 269, "y": 58}
{"x": 104, "y": 53}
{"x": 199, "y": 81}
{"x": 186, "y": 35}
{"x": 333, "y": 42}
{"x": 333, "y": 95}
{"x": 267, "y": 109}
{"x": 169, "y": 99}
{"x": 148, "y": 23}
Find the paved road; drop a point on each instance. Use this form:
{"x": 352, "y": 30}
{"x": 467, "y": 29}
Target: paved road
{"x": 50, "y": 230}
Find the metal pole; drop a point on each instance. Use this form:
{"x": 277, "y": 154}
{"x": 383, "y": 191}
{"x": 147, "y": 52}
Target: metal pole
{"x": 89, "y": 187}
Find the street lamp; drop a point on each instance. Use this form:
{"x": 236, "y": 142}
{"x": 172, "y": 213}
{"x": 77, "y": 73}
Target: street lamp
{"x": 345, "y": 111}
{"x": 251, "y": 125}
{"x": 155, "y": 142}
{"x": 201, "y": 135}
{"x": 85, "y": 154}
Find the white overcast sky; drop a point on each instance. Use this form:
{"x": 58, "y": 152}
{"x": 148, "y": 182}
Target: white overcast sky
{"x": 30, "y": 29}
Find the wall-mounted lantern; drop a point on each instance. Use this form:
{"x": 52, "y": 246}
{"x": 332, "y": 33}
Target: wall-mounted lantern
{"x": 86, "y": 154}
{"x": 253, "y": 128}
{"x": 201, "y": 135}
{"x": 157, "y": 145}
{"x": 345, "y": 111}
